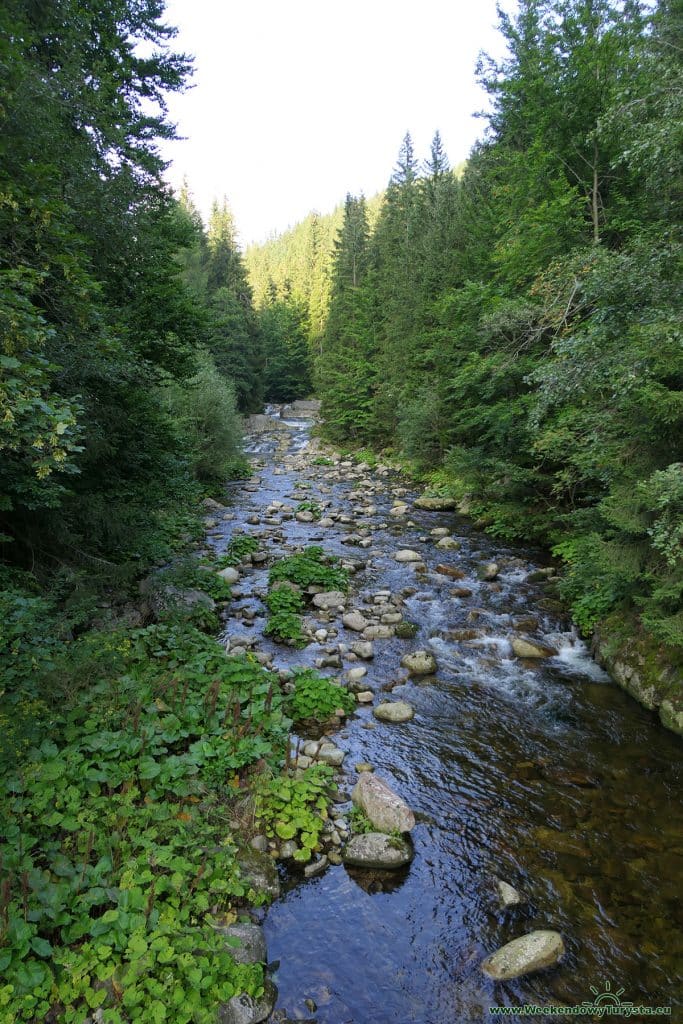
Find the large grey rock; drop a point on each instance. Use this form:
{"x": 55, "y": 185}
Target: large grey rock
{"x": 330, "y": 599}
{"x": 396, "y": 711}
{"x": 529, "y": 649}
{"x": 419, "y": 663}
{"x": 385, "y": 809}
{"x": 376, "y": 850}
{"x": 435, "y": 504}
{"x": 163, "y": 599}
{"x": 406, "y": 555}
{"x": 246, "y": 1010}
{"x": 525, "y": 955}
{"x": 229, "y": 574}
{"x": 363, "y": 649}
{"x": 250, "y": 944}
{"x": 355, "y": 621}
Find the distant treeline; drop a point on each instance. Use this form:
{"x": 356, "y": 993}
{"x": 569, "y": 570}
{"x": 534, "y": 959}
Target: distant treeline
{"x": 516, "y": 330}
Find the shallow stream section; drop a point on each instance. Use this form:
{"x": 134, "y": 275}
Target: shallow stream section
{"x": 540, "y": 772}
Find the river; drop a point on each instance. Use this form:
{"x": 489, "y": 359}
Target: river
{"x": 542, "y": 773}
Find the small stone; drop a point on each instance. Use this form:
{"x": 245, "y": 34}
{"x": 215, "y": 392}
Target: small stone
{"x": 449, "y": 544}
{"x": 355, "y": 674}
{"x": 364, "y": 766}
{"x": 259, "y": 842}
{"x": 378, "y": 631}
{"x": 244, "y": 1009}
{"x": 304, "y": 516}
{"x": 507, "y": 894}
{"x": 316, "y": 867}
{"x": 365, "y": 697}
{"x": 489, "y": 571}
{"x": 525, "y": 955}
{"x": 329, "y": 754}
{"x": 288, "y": 849}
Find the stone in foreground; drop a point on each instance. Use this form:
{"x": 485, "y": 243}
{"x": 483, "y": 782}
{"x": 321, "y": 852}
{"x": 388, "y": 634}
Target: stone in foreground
{"x": 385, "y": 809}
{"x": 394, "y": 711}
{"x": 525, "y": 955}
{"x": 246, "y": 1010}
{"x": 250, "y": 947}
{"x": 376, "y": 850}
{"x": 419, "y": 663}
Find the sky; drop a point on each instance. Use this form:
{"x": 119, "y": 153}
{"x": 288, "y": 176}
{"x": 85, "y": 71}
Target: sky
{"x": 297, "y": 102}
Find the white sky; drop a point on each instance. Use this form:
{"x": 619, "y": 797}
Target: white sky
{"x": 297, "y": 102}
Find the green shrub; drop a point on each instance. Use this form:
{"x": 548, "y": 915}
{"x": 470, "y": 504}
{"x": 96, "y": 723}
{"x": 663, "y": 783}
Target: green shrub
{"x": 289, "y": 807}
{"x": 317, "y": 697}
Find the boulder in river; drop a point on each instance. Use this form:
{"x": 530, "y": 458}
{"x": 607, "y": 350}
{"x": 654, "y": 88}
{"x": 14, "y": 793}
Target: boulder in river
{"x": 530, "y": 649}
{"x": 229, "y": 574}
{"x": 377, "y": 850}
{"x": 406, "y": 555}
{"x": 331, "y": 599}
{"x": 489, "y": 571}
{"x": 385, "y": 809}
{"x": 419, "y": 663}
{"x": 525, "y": 955}
{"x": 363, "y": 649}
{"x": 395, "y": 711}
{"x": 449, "y": 544}
{"x": 355, "y": 621}
{"x": 435, "y": 504}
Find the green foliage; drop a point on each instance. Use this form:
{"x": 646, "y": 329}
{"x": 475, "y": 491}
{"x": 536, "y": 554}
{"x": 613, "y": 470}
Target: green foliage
{"x": 239, "y": 545}
{"x": 205, "y": 413}
{"x": 310, "y": 506}
{"x": 106, "y": 878}
{"x": 295, "y": 807}
{"x": 309, "y": 568}
{"x": 287, "y": 357}
{"x": 285, "y": 627}
{"x": 359, "y": 821}
{"x": 315, "y": 696}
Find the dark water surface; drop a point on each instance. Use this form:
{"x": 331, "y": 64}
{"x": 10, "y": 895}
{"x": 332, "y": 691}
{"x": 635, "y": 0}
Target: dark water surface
{"x": 543, "y": 774}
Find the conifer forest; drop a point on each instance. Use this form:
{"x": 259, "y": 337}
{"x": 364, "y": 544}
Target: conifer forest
{"x": 432, "y": 440}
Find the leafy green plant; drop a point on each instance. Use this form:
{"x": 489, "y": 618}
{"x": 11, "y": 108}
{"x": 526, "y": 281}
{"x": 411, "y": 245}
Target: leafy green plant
{"x": 322, "y": 460}
{"x": 107, "y": 890}
{"x": 315, "y": 696}
{"x": 295, "y": 807}
{"x": 240, "y": 544}
{"x": 359, "y": 821}
{"x": 313, "y": 507}
{"x": 311, "y": 567}
{"x": 285, "y": 627}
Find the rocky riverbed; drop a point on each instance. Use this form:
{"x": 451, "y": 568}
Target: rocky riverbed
{"x": 541, "y": 802}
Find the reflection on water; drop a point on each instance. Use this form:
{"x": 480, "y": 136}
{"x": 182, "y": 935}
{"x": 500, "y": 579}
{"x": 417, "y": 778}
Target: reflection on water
{"x": 541, "y": 773}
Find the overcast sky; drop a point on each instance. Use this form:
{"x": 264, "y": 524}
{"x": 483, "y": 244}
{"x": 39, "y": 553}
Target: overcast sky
{"x": 296, "y": 102}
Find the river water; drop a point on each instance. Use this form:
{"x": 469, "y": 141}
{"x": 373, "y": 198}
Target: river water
{"x": 544, "y": 774}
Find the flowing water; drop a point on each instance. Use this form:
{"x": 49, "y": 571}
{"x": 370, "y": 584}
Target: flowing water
{"x": 541, "y": 773}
